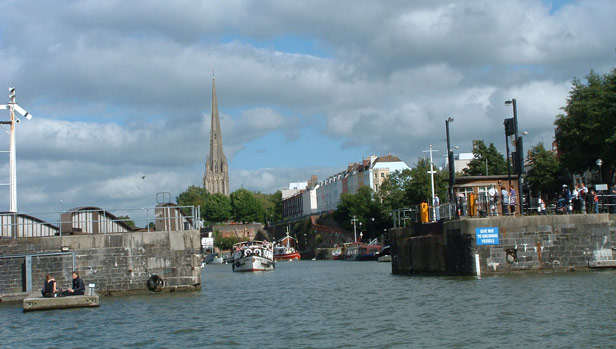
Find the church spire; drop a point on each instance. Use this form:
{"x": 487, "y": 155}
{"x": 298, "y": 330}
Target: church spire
{"x": 216, "y": 178}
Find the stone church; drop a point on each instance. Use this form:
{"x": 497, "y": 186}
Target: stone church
{"x": 216, "y": 178}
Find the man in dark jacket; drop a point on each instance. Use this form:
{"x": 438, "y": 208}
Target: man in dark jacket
{"x": 78, "y": 288}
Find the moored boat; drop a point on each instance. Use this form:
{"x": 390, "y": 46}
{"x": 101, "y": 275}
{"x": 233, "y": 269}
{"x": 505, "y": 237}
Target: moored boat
{"x": 384, "y": 255}
{"x": 336, "y": 253}
{"x": 359, "y": 251}
{"x": 214, "y": 258}
{"x": 253, "y": 256}
{"x": 283, "y": 251}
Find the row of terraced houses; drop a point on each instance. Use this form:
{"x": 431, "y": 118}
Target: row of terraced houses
{"x": 312, "y": 197}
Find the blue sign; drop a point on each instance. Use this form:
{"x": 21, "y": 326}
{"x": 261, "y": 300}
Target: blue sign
{"x": 487, "y": 236}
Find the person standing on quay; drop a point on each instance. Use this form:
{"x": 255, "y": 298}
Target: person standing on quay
{"x": 512, "y": 199}
{"x": 505, "y": 201}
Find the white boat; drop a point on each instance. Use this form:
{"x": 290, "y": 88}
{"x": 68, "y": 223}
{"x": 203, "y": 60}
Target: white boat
{"x": 253, "y": 256}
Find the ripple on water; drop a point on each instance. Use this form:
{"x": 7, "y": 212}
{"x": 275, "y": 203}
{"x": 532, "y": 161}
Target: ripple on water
{"x": 332, "y": 304}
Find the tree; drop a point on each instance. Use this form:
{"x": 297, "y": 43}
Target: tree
{"x": 192, "y": 196}
{"x": 126, "y": 220}
{"x": 271, "y": 205}
{"x": 365, "y": 209}
{"x": 217, "y": 208}
{"x": 546, "y": 175}
{"x": 419, "y": 189}
{"x": 245, "y": 207}
{"x": 495, "y": 161}
{"x": 392, "y": 190}
{"x": 587, "y": 129}
{"x": 224, "y": 244}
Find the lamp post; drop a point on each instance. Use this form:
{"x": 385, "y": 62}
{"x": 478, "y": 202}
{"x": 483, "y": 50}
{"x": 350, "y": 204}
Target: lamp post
{"x": 452, "y": 173}
{"x": 519, "y": 158}
{"x": 12, "y": 106}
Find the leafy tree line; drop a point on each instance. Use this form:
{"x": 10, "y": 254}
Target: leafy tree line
{"x": 241, "y": 206}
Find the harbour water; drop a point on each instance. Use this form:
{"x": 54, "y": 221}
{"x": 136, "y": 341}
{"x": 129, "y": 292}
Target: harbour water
{"x": 333, "y": 304}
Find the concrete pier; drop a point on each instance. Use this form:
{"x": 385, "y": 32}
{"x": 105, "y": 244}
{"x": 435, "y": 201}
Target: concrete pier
{"x": 480, "y": 246}
{"x": 118, "y": 263}
{"x": 35, "y": 302}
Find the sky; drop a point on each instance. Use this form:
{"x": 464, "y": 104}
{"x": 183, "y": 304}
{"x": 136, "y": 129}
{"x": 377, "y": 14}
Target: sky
{"x": 121, "y": 91}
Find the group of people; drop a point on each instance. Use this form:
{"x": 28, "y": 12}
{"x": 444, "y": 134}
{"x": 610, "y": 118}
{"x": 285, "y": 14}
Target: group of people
{"x": 50, "y": 287}
{"x": 507, "y": 199}
{"x": 580, "y": 200}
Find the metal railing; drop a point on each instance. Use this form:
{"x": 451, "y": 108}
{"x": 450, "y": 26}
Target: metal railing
{"x": 484, "y": 207}
{"x": 98, "y": 221}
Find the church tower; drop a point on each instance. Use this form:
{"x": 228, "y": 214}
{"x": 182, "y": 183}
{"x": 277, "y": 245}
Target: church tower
{"x": 216, "y": 178}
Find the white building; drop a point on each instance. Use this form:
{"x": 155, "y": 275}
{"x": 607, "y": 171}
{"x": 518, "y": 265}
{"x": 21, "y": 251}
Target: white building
{"x": 370, "y": 172}
{"x": 294, "y": 188}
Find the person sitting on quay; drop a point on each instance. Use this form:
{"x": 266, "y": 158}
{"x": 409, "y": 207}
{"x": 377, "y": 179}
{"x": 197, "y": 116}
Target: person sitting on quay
{"x": 49, "y": 287}
{"x": 78, "y": 288}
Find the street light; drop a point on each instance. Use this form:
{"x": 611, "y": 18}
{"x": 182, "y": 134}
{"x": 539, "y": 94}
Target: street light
{"x": 452, "y": 174}
{"x": 519, "y": 157}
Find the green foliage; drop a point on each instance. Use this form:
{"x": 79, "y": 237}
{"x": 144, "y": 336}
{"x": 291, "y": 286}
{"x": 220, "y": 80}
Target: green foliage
{"x": 217, "y": 208}
{"x": 271, "y": 205}
{"x": 419, "y": 189}
{"x": 245, "y": 207}
{"x": 126, "y": 220}
{"x": 392, "y": 190}
{"x": 365, "y": 209}
{"x": 546, "y": 174}
{"x": 587, "y": 129}
{"x": 192, "y": 196}
{"x": 242, "y": 205}
{"x": 495, "y": 161}
{"x": 224, "y": 244}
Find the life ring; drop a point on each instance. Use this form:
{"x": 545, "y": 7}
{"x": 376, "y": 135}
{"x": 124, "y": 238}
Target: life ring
{"x": 257, "y": 252}
{"x": 155, "y": 283}
{"x": 247, "y": 252}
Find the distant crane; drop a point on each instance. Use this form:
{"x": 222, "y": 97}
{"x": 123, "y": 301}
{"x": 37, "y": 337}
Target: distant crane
{"x": 12, "y": 106}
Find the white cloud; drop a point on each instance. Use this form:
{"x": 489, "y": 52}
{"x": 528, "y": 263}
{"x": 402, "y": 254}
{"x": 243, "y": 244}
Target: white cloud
{"x": 120, "y": 90}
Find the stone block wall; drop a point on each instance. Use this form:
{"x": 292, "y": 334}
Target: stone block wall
{"x": 116, "y": 263}
{"x": 535, "y": 243}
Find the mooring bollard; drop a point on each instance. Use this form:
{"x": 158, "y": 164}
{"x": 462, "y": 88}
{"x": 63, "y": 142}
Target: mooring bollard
{"x": 91, "y": 289}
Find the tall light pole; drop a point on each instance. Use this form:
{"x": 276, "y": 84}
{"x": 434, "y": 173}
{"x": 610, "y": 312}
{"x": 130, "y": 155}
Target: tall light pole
{"x": 509, "y": 130}
{"x": 12, "y": 106}
{"x": 519, "y": 151}
{"x": 452, "y": 173}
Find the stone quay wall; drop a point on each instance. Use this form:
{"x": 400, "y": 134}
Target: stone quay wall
{"x": 116, "y": 263}
{"x": 514, "y": 244}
